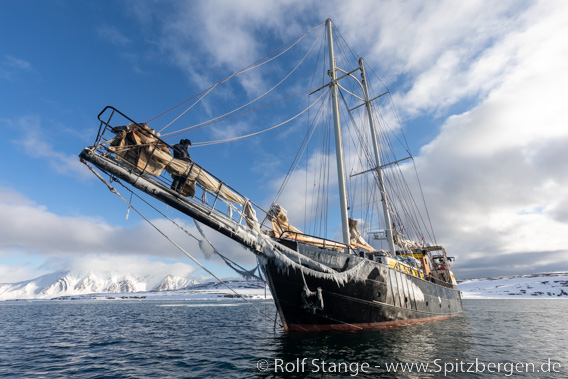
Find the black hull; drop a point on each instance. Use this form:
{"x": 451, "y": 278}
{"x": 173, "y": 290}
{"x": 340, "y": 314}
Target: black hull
{"x": 367, "y": 303}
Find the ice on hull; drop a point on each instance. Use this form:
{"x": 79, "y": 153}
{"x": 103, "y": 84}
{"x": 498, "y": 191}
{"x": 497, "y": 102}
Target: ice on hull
{"x": 371, "y": 301}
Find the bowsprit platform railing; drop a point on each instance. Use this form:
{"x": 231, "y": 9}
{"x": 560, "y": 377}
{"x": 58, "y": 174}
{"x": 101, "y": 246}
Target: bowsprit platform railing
{"x": 210, "y": 201}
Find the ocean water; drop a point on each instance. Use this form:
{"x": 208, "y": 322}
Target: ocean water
{"x": 230, "y": 339}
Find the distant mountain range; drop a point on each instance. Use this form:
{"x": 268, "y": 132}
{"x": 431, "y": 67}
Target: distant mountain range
{"x": 71, "y": 283}
{"x": 108, "y": 285}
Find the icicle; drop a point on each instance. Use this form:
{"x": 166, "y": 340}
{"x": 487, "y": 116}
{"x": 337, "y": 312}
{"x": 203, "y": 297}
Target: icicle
{"x": 204, "y": 245}
{"x": 206, "y": 248}
{"x": 129, "y": 206}
{"x": 281, "y": 255}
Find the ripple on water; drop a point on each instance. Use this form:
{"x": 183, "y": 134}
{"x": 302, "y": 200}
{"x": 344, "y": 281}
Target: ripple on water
{"x": 226, "y": 339}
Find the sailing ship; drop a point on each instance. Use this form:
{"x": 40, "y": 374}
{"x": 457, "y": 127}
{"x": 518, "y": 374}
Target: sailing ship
{"x": 317, "y": 282}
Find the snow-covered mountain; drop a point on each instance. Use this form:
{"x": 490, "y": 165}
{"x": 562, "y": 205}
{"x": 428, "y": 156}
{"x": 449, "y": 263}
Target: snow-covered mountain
{"x": 172, "y": 283}
{"x": 75, "y": 283}
{"x": 549, "y": 285}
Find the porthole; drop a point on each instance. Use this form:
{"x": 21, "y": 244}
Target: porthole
{"x": 378, "y": 293}
{"x": 426, "y": 302}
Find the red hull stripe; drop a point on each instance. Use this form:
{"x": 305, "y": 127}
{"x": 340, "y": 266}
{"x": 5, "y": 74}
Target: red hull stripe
{"x": 370, "y": 325}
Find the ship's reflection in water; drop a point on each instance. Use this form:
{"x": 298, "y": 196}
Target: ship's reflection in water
{"x": 371, "y": 353}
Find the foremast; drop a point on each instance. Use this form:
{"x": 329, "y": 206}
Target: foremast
{"x": 338, "y": 138}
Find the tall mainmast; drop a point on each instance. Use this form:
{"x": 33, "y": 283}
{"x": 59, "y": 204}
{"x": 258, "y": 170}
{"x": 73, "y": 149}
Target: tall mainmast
{"x": 338, "y": 139}
{"x": 384, "y": 201}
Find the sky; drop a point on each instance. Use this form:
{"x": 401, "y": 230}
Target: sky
{"x": 479, "y": 87}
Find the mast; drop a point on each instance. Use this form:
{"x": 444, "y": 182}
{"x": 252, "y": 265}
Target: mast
{"x": 388, "y": 227}
{"x": 338, "y": 139}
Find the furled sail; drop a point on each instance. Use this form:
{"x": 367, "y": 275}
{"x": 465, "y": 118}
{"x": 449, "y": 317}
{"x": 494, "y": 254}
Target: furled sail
{"x": 283, "y": 229}
{"x": 355, "y": 237}
{"x": 138, "y": 145}
{"x": 280, "y": 224}
{"x": 404, "y": 243}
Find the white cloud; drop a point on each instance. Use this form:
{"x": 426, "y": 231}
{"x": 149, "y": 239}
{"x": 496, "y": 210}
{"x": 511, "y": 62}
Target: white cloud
{"x": 113, "y": 35}
{"x": 10, "y": 66}
{"x": 446, "y": 48}
{"x": 300, "y": 197}
{"x": 495, "y": 177}
{"x": 438, "y": 52}
{"x": 229, "y": 130}
{"x": 35, "y": 144}
{"x": 80, "y": 242}
{"x": 15, "y": 274}
{"x": 143, "y": 266}
{"x": 497, "y": 173}
{"x": 207, "y": 40}
{"x": 231, "y": 27}
{"x": 17, "y": 63}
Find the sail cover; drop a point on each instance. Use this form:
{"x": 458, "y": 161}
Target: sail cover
{"x": 283, "y": 229}
{"x": 137, "y": 145}
{"x": 355, "y": 237}
{"x": 280, "y": 225}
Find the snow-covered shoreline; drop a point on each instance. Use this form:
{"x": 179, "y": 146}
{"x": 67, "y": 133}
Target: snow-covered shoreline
{"x": 120, "y": 286}
{"x": 178, "y": 295}
{"x": 534, "y": 286}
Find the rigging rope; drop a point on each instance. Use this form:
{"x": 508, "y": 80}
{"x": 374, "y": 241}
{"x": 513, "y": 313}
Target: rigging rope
{"x": 299, "y": 154}
{"x": 113, "y": 190}
{"x": 248, "y": 68}
{"x": 215, "y": 120}
{"x": 403, "y": 197}
{"x": 233, "y": 265}
{"x": 208, "y": 143}
{"x": 240, "y": 270}
{"x": 244, "y": 105}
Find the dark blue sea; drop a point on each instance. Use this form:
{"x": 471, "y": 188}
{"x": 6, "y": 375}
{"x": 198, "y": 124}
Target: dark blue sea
{"x": 230, "y": 339}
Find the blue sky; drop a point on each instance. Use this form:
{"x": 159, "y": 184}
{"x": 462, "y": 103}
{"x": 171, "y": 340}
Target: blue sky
{"x": 478, "y": 85}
